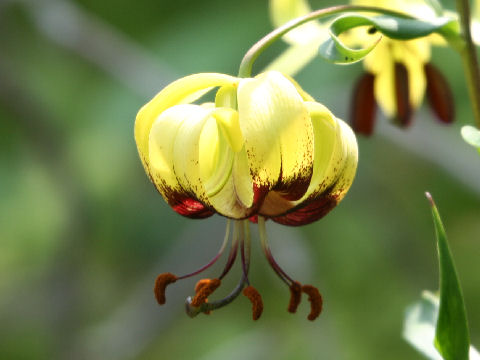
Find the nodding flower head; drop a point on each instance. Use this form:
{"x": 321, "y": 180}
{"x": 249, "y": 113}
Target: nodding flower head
{"x": 398, "y": 74}
{"x": 264, "y": 149}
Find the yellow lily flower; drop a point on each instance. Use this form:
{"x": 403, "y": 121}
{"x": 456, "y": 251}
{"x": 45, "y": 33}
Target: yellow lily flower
{"x": 263, "y": 149}
{"x": 398, "y": 73}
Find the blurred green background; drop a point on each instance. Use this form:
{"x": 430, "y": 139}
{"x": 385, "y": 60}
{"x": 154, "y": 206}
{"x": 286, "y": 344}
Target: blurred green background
{"x": 83, "y": 233}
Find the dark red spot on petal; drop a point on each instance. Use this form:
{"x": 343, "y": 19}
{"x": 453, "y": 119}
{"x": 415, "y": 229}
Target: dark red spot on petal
{"x": 294, "y": 188}
{"x": 439, "y": 94}
{"x": 309, "y": 212}
{"x": 402, "y": 96}
{"x": 363, "y": 106}
{"x": 189, "y": 207}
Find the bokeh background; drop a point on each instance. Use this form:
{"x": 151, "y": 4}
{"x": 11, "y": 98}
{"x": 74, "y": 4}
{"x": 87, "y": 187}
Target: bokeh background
{"x": 83, "y": 233}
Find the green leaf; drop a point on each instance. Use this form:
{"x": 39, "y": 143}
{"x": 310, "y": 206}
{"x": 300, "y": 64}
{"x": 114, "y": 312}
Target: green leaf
{"x": 419, "y": 327}
{"x": 395, "y": 27}
{"x": 471, "y": 135}
{"x": 451, "y": 335}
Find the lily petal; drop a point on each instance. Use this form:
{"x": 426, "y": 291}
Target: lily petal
{"x": 182, "y": 91}
{"x": 324, "y": 201}
{"x": 162, "y": 140}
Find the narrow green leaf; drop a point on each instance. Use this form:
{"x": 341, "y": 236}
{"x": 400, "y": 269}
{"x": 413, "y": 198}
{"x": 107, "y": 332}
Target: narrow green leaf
{"x": 451, "y": 335}
{"x": 420, "y": 323}
{"x": 395, "y": 27}
{"x": 471, "y": 135}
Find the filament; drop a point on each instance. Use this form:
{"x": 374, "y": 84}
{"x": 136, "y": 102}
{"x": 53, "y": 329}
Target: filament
{"x": 239, "y": 235}
{"x": 268, "y": 254}
{"x": 215, "y": 258}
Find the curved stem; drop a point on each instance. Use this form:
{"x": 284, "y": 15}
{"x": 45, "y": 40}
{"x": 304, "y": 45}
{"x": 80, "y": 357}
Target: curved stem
{"x": 469, "y": 57}
{"x": 254, "y": 52}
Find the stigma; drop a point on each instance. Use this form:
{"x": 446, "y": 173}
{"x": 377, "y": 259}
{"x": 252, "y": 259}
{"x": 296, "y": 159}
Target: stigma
{"x": 238, "y": 240}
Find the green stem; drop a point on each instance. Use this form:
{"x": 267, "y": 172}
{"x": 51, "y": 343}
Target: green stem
{"x": 254, "y": 52}
{"x": 469, "y": 57}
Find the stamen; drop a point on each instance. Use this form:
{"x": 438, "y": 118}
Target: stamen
{"x": 200, "y": 284}
{"x": 190, "y": 304}
{"x": 295, "y": 297}
{"x": 161, "y": 283}
{"x": 255, "y": 298}
{"x": 205, "y": 289}
{"x": 268, "y": 254}
{"x": 232, "y": 255}
{"x": 193, "y": 311}
{"x": 245, "y": 250}
{"x": 316, "y": 301}
{"x": 211, "y": 262}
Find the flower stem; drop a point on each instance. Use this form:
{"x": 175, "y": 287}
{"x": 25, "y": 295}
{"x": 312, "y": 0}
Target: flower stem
{"x": 469, "y": 57}
{"x": 254, "y": 52}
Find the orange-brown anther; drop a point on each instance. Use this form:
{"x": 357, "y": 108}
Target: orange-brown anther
{"x": 161, "y": 283}
{"x": 256, "y": 299}
{"x": 200, "y": 284}
{"x": 295, "y": 297}
{"x": 204, "y": 289}
{"x": 315, "y": 299}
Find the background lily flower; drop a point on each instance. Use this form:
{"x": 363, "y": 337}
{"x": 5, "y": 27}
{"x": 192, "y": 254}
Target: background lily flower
{"x": 398, "y": 73}
{"x": 263, "y": 148}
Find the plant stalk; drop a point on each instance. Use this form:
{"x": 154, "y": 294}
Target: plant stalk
{"x": 254, "y": 52}
{"x": 469, "y": 58}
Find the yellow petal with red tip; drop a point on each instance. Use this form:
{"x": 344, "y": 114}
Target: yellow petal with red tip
{"x": 277, "y": 130}
{"x": 162, "y": 138}
{"x": 329, "y": 156}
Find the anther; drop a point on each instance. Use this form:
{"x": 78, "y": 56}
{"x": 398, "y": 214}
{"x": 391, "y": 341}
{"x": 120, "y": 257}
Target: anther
{"x": 161, "y": 283}
{"x": 316, "y": 301}
{"x": 295, "y": 297}
{"x": 200, "y": 284}
{"x": 256, "y": 299}
{"x": 204, "y": 289}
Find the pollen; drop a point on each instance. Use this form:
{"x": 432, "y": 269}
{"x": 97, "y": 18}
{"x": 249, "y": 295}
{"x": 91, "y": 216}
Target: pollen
{"x": 161, "y": 283}
{"x": 203, "y": 290}
{"x": 316, "y": 301}
{"x": 256, "y": 299}
{"x": 295, "y": 297}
